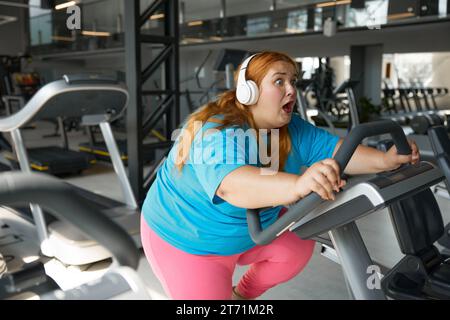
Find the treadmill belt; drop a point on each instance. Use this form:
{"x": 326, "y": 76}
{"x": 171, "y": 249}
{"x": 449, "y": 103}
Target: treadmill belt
{"x": 100, "y": 151}
{"x": 58, "y": 161}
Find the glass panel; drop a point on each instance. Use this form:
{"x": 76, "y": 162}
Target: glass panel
{"x": 239, "y": 7}
{"x": 309, "y": 65}
{"x": 443, "y": 8}
{"x": 297, "y": 21}
{"x": 403, "y": 71}
{"x": 201, "y": 9}
{"x": 35, "y": 9}
{"x": 102, "y": 16}
{"x": 284, "y": 4}
{"x": 373, "y": 15}
{"x": 258, "y": 25}
{"x": 411, "y": 73}
{"x": 318, "y": 21}
{"x": 41, "y": 29}
{"x": 40, "y": 24}
{"x": 102, "y": 20}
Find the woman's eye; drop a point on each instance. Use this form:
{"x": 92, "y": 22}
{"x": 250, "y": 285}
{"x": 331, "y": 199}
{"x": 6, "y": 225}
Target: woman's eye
{"x": 279, "y": 82}
{"x": 294, "y": 82}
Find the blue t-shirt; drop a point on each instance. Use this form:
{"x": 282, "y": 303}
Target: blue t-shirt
{"x": 182, "y": 208}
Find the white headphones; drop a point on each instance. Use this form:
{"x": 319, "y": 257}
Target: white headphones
{"x": 247, "y": 91}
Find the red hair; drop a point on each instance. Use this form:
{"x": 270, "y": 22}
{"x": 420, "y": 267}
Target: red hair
{"x": 233, "y": 112}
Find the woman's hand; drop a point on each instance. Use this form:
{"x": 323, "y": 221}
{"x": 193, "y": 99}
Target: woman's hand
{"x": 322, "y": 177}
{"x": 392, "y": 160}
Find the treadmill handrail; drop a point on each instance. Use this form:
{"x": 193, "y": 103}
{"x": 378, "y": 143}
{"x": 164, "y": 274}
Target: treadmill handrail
{"x": 49, "y": 91}
{"x": 342, "y": 157}
{"x": 60, "y": 199}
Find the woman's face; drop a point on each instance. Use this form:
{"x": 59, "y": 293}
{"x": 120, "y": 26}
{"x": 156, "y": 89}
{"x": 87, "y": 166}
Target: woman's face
{"x": 277, "y": 96}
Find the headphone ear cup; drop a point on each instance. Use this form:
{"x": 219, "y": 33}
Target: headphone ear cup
{"x": 254, "y": 92}
{"x": 243, "y": 93}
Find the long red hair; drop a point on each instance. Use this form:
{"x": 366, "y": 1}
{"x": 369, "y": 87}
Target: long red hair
{"x": 233, "y": 112}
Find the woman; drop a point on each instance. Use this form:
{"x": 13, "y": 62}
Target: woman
{"x": 193, "y": 228}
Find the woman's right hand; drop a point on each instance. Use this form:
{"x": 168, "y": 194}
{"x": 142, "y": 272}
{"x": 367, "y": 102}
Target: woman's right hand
{"x": 322, "y": 178}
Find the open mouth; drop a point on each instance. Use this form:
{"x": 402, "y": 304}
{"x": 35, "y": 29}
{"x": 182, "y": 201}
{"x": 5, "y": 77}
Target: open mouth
{"x": 288, "y": 107}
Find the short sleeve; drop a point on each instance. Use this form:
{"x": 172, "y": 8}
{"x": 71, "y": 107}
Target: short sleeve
{"x": 216, "y": 153}
{"x": 311, "y": 143}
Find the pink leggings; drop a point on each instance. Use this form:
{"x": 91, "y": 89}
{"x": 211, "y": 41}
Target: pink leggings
{"x": 186, "y": 276}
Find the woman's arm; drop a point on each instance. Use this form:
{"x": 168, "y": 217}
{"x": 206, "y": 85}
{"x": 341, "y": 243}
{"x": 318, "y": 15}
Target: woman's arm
{"x": 367, "y": 160}
{"x": 247, "y": 187}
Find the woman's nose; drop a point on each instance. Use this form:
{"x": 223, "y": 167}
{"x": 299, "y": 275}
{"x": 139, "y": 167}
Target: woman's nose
{"x": 290, "y": 90}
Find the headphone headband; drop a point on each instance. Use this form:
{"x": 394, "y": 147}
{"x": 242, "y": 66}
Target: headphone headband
{"x": 247, "y": 61}
{"x": 242, "y": 70}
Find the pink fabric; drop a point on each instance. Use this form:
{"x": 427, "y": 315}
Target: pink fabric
{"x": 186, "y": 276}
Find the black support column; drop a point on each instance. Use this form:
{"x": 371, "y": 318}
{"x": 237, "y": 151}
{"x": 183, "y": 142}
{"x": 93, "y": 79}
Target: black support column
{"x": 137, "y": 74}
{"x": 366, "y": 67}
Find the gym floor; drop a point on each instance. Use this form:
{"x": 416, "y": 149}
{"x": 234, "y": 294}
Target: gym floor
{"x": 321, "y": 279}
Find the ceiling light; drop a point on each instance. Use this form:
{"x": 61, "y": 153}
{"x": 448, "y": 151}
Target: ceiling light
{"x": 65, "y": 5}
{"x": 95, "y": 33}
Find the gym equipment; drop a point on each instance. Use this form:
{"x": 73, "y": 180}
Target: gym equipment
{"x": 97, "y": 101}
{"x": 227, "y": 61}
{"x": 347, "y": 87}
{"x": 414, "y": 121}
{"x": 424, "y": 272}
{"x": 99, "y": 150}
{"x": 227, "y": 56}
{"x": 441, "y": 147}
{"x": 60, "y": 198}
{"x": 335, "y": 108}
{"x": 247, "y": 91}
{"x": 17, "y": 88}
{"x": 421, "y": 114}
{"x": 56, "y": 160}
{"x": 14, "y": 82}
{"x": 312, "y": 216}
{"x": 336, "y": 112}
{"x": 422, "y": 122}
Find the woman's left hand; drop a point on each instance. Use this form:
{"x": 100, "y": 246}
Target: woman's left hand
{"x": 392, "y": 160}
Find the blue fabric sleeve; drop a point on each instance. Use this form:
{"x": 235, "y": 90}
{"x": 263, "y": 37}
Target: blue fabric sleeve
{"x": 218, "y": 154}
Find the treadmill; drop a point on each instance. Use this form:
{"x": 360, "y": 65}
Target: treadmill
{"x": 32, "y": 280}
{"x": 97, "y": 101}
{"x": 312, "y": 216}
{"x": 56, "y": 160}
{"x": 324, "y": 120}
